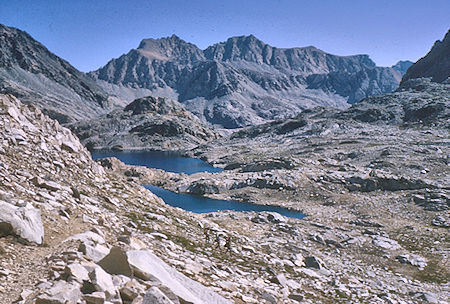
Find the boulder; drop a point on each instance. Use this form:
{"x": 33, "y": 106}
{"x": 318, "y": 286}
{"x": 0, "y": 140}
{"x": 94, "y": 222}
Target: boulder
{"x": 313, "y": 262}
{"x": 412, "y": 259}
{"x": 116, "y": 262}
{"x": 24, "y": 222}
{"x": 275, "y": 217}
{"x": 92, "y": 245}
{"x": 156, "y": 296}
{"x": 97, "y": 297}
{"x": 60, "y": 293}
{"x": 132, "y": 290}
{"x": 148, "y": 266}
{"x": 386, "y": 243}
{"x": 95, "y": 252}
{"x": 76, "y": 272}
{"x": 103, "y": 282}
{"x": 49, "y": 185}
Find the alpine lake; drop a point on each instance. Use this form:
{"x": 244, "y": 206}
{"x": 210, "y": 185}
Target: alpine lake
{"x": 174, "y": 162}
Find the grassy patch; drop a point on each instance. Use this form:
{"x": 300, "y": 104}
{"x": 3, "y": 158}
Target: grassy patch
{"x": 433, "y": 273}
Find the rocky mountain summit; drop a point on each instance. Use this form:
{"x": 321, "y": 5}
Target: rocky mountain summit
{"x": 149, "y": 123}
{"x": 402, "y": 66}
{"x": 31, "y": 72}
{"x": 244, "y": 81}
{"x": 435, "y": 65}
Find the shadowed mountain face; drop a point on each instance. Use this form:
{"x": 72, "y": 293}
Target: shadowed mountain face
{"x": 436, "y": 64}
{"x": 30, "y": 71}
{"x": 244, "y": 81}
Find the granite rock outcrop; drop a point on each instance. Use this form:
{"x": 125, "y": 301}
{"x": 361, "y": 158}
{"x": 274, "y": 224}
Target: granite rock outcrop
{"x": 149, "y": 123}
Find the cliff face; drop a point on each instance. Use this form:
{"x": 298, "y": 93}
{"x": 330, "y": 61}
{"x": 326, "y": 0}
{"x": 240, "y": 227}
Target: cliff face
{"x": 244, "y": 81}
{"x": 436, "y": 64}
{"x": 30, "y": 71}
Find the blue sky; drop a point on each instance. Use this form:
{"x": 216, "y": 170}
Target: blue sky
{"x": 88, "y": 33}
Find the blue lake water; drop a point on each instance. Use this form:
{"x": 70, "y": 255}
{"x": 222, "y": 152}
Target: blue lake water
{"x": 167, "y": 161}
{"x": 200, "y": 204}
{"x": 173, "y": 162}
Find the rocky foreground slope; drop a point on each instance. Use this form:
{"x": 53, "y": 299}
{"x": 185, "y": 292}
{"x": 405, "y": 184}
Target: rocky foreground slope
{"x": 149, "y": 123}
{"x": 28, "y": 70}
{"x": 74, "y": 231}
{"x": 372, "y": 179}
{"x": 244, "y": 81}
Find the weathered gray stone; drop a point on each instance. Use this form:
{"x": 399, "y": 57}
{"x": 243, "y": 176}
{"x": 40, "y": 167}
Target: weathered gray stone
{"x": 76, "y": 272}
{"x": 87, "y": 236}
{"x": 386, "y": 243}
{"x": 103, "y": 282}
{"x": 116, "y": 262}
{"x": 156, "y": 296}
{"x": 97, "y": 297}
{"x": 131, "y": 290}
{"x": 440, "y": 221}
{"x": 313, "y": 262}
{"x": 49, "y": 185}
{"x": 269, "y": 298}
{"x": 95, "y": 252}
{"x": 297, "y": 297}
{"x": 60, "y": 293}
{"x": 412, "y": 259}
{"x": 275, "y": 217}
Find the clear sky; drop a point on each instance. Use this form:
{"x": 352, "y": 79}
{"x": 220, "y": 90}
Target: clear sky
{"x": 88, "y": 33}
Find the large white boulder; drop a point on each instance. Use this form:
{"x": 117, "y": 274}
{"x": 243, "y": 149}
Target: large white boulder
{"x": 146, "y": 265}
{"x": 24, "y": 222}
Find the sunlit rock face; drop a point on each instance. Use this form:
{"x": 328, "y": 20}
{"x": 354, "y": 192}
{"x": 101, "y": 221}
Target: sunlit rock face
{"x": 28, "y": 70}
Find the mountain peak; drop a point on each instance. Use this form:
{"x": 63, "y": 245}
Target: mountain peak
{"x": 402, "y": 66}
{"x": 173, "y": 40}
{"x": 169, "y": 48}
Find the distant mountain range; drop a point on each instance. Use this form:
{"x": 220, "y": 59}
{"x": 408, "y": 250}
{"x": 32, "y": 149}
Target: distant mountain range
{"x": 244, "y": 81}
{"x": 231, "y": 84}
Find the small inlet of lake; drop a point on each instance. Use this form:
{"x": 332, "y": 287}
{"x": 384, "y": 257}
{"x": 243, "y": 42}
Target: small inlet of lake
{"x": 200, "y": 204}
{"x": 167, "y": 161}
{"x": 174, "y": 162}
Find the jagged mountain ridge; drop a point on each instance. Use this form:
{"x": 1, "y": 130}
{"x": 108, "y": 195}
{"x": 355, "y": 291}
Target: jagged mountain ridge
{"x": 245, "y": 81}
{"x": 436, "y": 64}
{"x": 30, "y": 71}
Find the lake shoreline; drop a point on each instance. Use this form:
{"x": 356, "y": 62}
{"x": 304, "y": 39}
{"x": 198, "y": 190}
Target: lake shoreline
{"x": 189, "y": 194}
